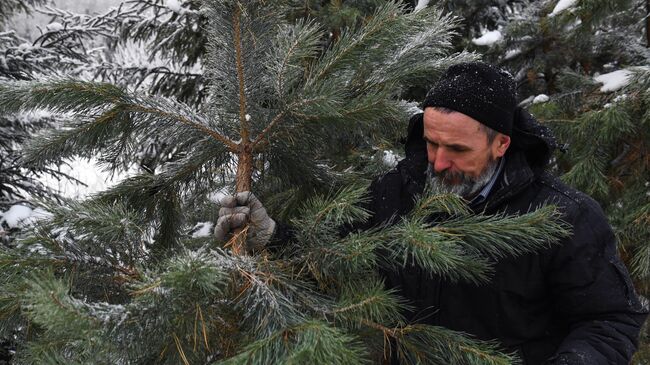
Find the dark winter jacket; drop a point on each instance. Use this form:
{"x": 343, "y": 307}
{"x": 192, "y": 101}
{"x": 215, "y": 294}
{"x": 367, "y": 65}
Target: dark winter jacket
{"x": 572, "y": 303}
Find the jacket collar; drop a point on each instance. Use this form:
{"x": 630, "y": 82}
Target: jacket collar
{"x": 487, "y": 189}
{"x": 515, "y": 177}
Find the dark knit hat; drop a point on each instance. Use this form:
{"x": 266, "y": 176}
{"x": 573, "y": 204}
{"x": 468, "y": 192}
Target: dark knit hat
{"x": 478, "y": 90}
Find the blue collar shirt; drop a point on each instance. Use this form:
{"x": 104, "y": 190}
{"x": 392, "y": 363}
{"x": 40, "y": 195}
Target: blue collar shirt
{"x": 480, "y": 198}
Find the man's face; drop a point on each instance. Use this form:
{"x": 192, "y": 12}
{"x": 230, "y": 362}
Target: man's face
{"x": 459, "y": 153}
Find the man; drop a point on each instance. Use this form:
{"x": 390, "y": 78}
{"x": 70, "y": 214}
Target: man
{"x": 572, "y": 303}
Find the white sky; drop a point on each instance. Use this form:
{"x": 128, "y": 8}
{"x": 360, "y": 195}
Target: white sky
{"x": 26, "y": 25}
{"x": 85, "y": 6}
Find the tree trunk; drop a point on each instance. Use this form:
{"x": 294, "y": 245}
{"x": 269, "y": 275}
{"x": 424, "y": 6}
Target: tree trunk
{"x": 244, "y": 168}
{"x": 243, "y": 183}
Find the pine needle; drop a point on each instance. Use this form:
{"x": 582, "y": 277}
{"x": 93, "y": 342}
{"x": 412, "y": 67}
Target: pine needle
{"x": 203, "y": 329}
{"x": 180, "y": 349}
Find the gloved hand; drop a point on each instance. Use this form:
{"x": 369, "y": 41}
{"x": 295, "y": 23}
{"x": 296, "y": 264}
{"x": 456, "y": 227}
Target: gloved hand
{"x": 239, "y": 210}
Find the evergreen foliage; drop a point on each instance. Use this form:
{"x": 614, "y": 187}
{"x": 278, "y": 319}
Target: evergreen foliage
{"x": 604, "y": 129}
{"x": 562, "y": 60}
{"x": 67, "y": 46}
{"x": 73, "y": 282}
{"x": 108, "y": 47}
{"x": 19, "y": 184}
{"x": 11, "y": 7}
{"x": 278, "y": 103}
{"x": 478, "y": 17}
{"x": 118, "y": 279}
{"x": 174, "y": 40}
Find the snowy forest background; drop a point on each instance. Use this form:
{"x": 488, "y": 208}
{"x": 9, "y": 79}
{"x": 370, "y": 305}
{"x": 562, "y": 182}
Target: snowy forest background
{"x": 581, "y": 67}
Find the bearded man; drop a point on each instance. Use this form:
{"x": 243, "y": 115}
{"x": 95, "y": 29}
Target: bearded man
{"x": 571, "y": 303}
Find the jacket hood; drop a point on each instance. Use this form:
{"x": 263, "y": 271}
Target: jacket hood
{"x": 535, "y": 140}
{"x": 415, "y": 144}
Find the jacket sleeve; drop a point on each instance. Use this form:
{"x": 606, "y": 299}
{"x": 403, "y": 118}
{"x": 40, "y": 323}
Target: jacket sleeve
{"x": 593, "y": 294}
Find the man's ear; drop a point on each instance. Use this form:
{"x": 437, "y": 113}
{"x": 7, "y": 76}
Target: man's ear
{"x": 500, "y": 145}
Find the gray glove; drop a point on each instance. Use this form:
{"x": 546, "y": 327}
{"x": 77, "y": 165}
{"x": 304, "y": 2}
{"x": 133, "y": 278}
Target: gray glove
{"x": 239, "y": 210}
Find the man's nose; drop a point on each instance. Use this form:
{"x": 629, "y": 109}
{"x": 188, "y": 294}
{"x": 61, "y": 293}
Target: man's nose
{"x": 442, "y": 161}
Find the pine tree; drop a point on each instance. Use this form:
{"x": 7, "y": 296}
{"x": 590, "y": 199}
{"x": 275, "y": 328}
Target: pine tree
{"x": 17, "y": 183}
{"x": 582, "y": 70}
{"x": 157, "y": 47}
{"x": 121, "y": 277}
{"x": 480, "y": 17}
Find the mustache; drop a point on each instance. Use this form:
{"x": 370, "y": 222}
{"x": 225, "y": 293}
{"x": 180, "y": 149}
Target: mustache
{"x": 455, "y": 176}
{"x": 458, "y": 182}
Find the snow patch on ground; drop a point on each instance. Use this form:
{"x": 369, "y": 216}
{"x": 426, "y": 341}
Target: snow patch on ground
{"x": 86, "y": 171}
{"x": 512, "y": 53}
{"x": 175, "y": 6}
{"x": 390, "y": 159}
{"x": 20, "y": 215}
{"x": 541, "y": 98}
{"x": 54, "y": 26}
{"x": 216, "y": 196}
{"x": 527, "y": 101}
{"x": 561, "y": 6}
{"x": 614, "y": 80}
{"x": 572, "y": 26}
{"x": 16, "y": 215}
{"x": 202, "y": 229}
{"x": 620, "y": 98}
{"x": 24, "y": 46}
{"x": 411, "y": 107}
{"x": 421, "y": 5}
{"x": 488, "y": 38}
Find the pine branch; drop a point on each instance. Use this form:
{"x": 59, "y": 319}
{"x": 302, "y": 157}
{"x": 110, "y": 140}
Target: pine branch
{"x": 113, "y": 113}
{"x": 232, "y": 146}
{"x": 413, "y": 244}
{"x": 62, "y": 96}
{"x": 295, "y": 44}
{"x": 245, "y": 128}
{"x": 636, "y": 232}
{"x": 589, "y": 173}
{"x": 193, "y": 277}
{"x": 438, "y": 345}
{"x": 364, "y": 301}
{"x": 192, "y": 176}
{"x": 109, "y": 232}
{"x": 458, "y": 248}
{"x": 72, "y": 328}
{"x": 526, "y": 233}
{"x": 270, "y": 300}
{"x": 264, "y": 133}
{"x": 436, "y": 203}
{"x": 333, "y": 262}
{"x": 180, "y": 305}
{"x": 350, "y": 43}
{"x": 339, "y": 208}
{"x": 310, "y": 342}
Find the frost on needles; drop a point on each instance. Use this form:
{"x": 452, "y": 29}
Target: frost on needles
{"x": 117, "y": 278}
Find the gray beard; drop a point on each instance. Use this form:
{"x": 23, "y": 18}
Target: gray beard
{"x": 467, "y": 188}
